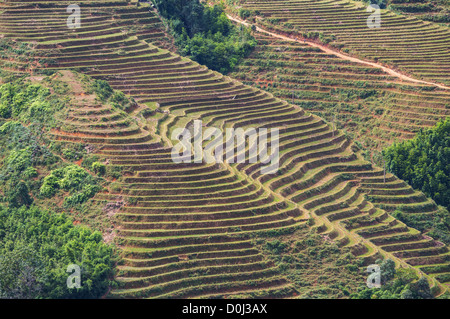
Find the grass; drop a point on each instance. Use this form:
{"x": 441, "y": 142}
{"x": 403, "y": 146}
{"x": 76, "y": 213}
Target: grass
{"x": 304, "y": 152}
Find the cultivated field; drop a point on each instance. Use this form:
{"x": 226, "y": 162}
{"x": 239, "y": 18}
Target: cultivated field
{"x": 414, "y": 46}
{"x": 186, "y": 229}
{"x": 378, "y": 108}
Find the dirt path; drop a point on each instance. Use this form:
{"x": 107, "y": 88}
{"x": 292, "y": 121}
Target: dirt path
{"x": 341, "y": 55}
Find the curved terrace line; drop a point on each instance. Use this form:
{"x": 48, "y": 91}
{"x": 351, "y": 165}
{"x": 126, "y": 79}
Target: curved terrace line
{"x": 340, "y": 55}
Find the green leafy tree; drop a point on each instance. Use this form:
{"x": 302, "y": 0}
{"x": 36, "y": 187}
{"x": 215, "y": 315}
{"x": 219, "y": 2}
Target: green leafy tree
{"x": 424, "y": 162}
{"x": 99, "y": 168}
{"x": 18, "y": 195}
{"x": 102, "y": 89}
{"x": 387, "y": 269}
{"x": 396, "y": 284}
{"x": 206, "y": 34}
{"x": 36, "y": 246}
{"x": 22, "y": 273}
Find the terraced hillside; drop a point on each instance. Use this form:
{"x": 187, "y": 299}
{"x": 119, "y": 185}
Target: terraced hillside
{"x": 417, "y": 47}
{"x": 431, "y": 10}
{"x": 186, "y": 228}
{"x": 375, "y": 106}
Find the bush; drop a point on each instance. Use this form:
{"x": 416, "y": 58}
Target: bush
{"x": 16, "y": 98}
{"x": 276, "y": 246}
{"x": 102, "y": 89}
{"x": 206, "y": 34}
{"x": 244, "y": 13}
{"x": 50, "y": 186}
{"x": 74, "y": 179}
{"x": 71, "y": 154}
{"x": 87, "y": 192}
{"x": 99, "y": 168}
{"x": 424, "y": 162}
{"x": 19, "y": 160}
{"x": 119, "y": 100}
{"x": 36, "y": 246}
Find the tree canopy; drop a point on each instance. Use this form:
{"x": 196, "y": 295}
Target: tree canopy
{"x": 36, "y": 246}
{"x": 206, "y": 34}
{"x": 402, "y": 283}
{"x": 424, "y": 162}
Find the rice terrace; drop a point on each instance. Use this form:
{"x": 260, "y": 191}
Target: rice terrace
{"x": 225, "y": 149}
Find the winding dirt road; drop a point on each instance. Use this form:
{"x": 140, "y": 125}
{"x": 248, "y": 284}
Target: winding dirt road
{"x": 340, "y": 55}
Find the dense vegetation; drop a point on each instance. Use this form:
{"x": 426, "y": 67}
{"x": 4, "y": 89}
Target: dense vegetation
{"x": 24, "y": 149}
{"x": 204, "y": 231}
{"x": 436, "y": 225}
{"x": 205, "y": 34}
{"x": 21, "y": 154}
{"x": 400, "y": 283}
{"x": 424, "y": 162}
{"x": 29, "y": 102}
{"x": 36, "y": 247}
{"x": 317, "y": 267}
{"x": 73, "y": 179}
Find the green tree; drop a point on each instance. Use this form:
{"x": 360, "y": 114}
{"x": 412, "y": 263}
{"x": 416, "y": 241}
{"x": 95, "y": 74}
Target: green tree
{"x": 388, "y": 271}
{"x": 206, "y": 34}
{"x": 22, "y": 273}
{"x": 18, "y": 195}
{"x": 36, "y": 246}
{"x": 424, "y": 162}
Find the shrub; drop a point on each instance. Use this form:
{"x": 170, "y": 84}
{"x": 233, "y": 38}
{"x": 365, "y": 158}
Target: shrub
{"x": 87, "y": 192}
{"x": 424, "y": 162}
{"x": 244, "y": 13}
{"x": 18, "y": 195}
{"x": 206, "y": 34}
{"x": 30, "y": 172}
{"x": 102, "y": 89}
{"x": 114, "y": 171}
{"x": 49, "y": 186}
{"x": 74, "y": 179}
{"x": 19, "y": 160}
{"x": 276, "y": 246}
{"x": 99, "y": 168}
{"x": 118, "y": 97}
{"x": 71, "y": 154}
{"x": 36, "y": 246}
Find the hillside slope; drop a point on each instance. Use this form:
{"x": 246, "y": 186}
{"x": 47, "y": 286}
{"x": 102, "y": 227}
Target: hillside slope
{"x": 416, "y": 47}
{"x": 187, "y": 229}
{"x": 377, "y": 108}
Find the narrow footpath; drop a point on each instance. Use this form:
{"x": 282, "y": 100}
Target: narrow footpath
{"x": 340, "y": 55}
